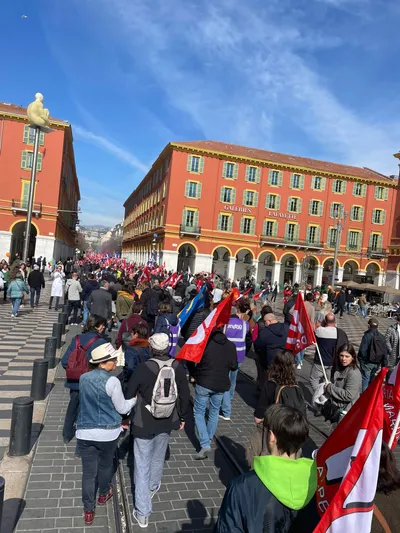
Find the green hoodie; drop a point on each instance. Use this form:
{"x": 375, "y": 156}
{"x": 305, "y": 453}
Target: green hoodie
{"x": 292, "y": 481}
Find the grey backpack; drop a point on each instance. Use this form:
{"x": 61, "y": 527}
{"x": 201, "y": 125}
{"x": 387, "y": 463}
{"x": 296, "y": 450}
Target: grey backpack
{"x": 165, "y": 392}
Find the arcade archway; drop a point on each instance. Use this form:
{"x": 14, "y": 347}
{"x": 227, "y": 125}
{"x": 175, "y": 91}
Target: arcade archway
{"x": 287, "y": 269}
{"x": 372, "y": 273}
{"x": 17, "y": 240}
{"x": 186, "y": 258}
{"x": 327, "y": 272}
{"x": 244, "y": 264}
{"x": 350, "y": 269}
{"x": 221, "y": 258}
{"x": 265, "y": 266}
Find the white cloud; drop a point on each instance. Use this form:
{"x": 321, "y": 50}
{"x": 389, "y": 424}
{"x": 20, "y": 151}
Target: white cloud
{"x": 110, "y": 147}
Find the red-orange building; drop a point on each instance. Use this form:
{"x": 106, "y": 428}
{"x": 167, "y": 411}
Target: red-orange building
{"x": 56, "y": 193}
{"x": 238, "y": 210}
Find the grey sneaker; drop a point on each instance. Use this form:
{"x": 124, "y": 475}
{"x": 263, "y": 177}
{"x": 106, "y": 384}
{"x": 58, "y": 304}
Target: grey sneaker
{"x": 153, "y": 492}
{"x": 143, "y": 521}
{"x": 202, "y": 454}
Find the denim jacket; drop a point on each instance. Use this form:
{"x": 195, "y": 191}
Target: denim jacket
{"x": 96, "y": 410}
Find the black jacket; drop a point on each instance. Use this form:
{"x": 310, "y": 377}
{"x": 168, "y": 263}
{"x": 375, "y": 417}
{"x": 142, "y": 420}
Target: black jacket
{"x": 218, "y": 360}
{"x": 341, "y": 299}
{"x": 270, "y": 340}
{"x": 145, "y": 426}
{"x": 36, "y": 279}
{"x": 88, "y": 287}
{"x": 287, "y": 308}
{"x": 194, "y": 322}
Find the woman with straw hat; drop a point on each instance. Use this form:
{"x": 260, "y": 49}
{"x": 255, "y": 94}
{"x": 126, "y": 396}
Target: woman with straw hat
{"x": 99, "y": 426}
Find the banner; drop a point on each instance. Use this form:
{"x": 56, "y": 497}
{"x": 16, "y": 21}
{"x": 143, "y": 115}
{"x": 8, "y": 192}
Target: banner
{"x": 301, "y": 334}
{"x": 192, "y": 306}
{"x": 391, "y": 403}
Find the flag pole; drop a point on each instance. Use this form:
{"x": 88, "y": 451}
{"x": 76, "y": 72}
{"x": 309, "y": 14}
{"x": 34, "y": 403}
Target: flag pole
{"x": 395, "y": 428}
{"x": 322, "y": 364}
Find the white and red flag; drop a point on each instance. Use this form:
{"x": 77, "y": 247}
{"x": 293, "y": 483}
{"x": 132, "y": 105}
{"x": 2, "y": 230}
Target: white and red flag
{"x": 176, "y": 281}
{"x": 391, "y": 403}
{"x": 244, "y": 294}
{"x": 348, "y": 466}
{"x": 194, "y": 347}
{"x": 259, "y": 294}
{"x": 301, "y": 334}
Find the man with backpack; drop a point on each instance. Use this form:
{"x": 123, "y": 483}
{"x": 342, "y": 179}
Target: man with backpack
{"x": 163, "y": 400}
{"x": 372, "y": 353}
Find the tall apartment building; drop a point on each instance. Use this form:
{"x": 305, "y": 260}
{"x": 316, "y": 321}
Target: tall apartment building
{"x": 56, "y": 192}
{"x": 214, "y": 206}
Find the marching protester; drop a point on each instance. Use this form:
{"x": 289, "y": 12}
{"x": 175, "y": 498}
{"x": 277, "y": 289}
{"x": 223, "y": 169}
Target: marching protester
{"x": 100, "y": 301}
{"x": 89, "y": 286}
{"x": 392, "y": 343}
{"x": 134, "y": 318}
{"x": 36, "y": 284}
{"x": 15, "y": 291}
{"x": 124, "y": 303}
{"x": 73, "y": 290}
{"x": 136, "y": 352}
{"x": 271, "y": 339}
{"x": 340, "y": 302}
{"x": 372, "y": 354}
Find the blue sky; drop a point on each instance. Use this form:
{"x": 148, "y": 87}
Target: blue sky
{"x": 318, "y": 78}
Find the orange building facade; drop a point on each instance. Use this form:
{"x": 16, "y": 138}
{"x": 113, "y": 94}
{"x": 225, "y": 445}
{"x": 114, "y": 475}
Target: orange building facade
{"x": 240, "y": 211}
{"x": 56, "y": 193}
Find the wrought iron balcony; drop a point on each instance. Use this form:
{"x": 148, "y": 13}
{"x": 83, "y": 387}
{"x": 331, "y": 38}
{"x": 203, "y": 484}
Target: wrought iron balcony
{"x": 195, "y": 231}
{"x": 353, "y": 247}
{"x": 22, "y": 207}
{"x": 285, "y": 242}
{"x": 376, "y": 252}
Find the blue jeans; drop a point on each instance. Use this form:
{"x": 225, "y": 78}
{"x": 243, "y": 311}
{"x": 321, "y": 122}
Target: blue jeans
{"x": 149, "y": 463}
{"x": 16, "y": 302}
{"x": 300, "y": 357}
{"x": 85, "y": 312}
{"x": 228, "y": 396}
{"x": 363, "y": 311}
{"x": 35, "y": 291}
{"x": 206, "y": 430}
{"x": 347, "y": 306}
{"x": 368, "y": 371}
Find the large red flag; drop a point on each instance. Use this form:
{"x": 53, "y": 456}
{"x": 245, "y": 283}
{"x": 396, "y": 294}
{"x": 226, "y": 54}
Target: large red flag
{"x": 257, "y": 296}
{"x": 194, "y": 348}
{"x": 391, "y": 403}
{"x": 301, "y": 334}
{"x": 348, "y": 466}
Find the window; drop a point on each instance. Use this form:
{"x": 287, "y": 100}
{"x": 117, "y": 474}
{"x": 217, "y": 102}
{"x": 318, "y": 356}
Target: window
{"x": 275, "y": 178}
{"x": 247, "y": 225}
{"x": 378, "y": 216}
{"x": 225, "y": 222}
{"x": 253, "y": 174}
{"x": 313, "y": 233}
{"x": 230, "y": 170}
{"x": 29, "y": 136}
{"x": 273, "y": 201}
{"x": 359, "y": 189}
{"x": 27, "y": 159}
{"x": 381, "y": 193}
{"x": 294, "y": 204}
{"x": 339, "y": 186}
{"x": 318, "y": 183}
{"x": 353, "y": 240}
{"x": 25, "y": 194}
{"x": 296, "y": 181}
{"x": 270, "y": 228}
{"x": 193, "y": 189}
{"x": 195, "y": 164}
{"x": 332, "y": 236}
{"x": 291, "y": 232}
{"x": 336, "y": 210}
{"x": 375, "y": 242}
{"x": 316, "y": 208}
{"x": 357, "y": 213}
{"x": 250, "y": 198}
{"x": 190, "y": 218}
{"x": 228, "y": 195}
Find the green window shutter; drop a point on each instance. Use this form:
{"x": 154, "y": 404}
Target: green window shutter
{"x": 184, "y": 214}
{"x": 383, "y": 217}
{"x": 361, "y": 214}
{"x": 299, "y": 203}
{"x": 187, "y": 186}
{"x": 318, "y": 235}
{"x": 328, "y": 237}
{"x": 235, "y": 171}
{"x": 241, "y": 225}
{"x": 354, "y": 189}
{"x": 255, "y": 199}
{"x": 373, "y": 215}
{"x": 375, "y": 192}
{"x": 25, "y": 195}
{"x": 344, "y": 187}
{"x": 323, "y": 184}
{"x": 264, "y": 228}
{"x": 302, "y": 182}
{"x": 359, "y": 241}
{"x": 288, "y": 203}
{"x": 310, "y": 207}
{"x": 258, "y": 175}
{"x": 348, "y": 240}
{"x": 201, "y": 165}
{"x": 308, "y": 233}
{"x": 267, "y": 201}
{"x": 331, "y": 211}
{"x": 230, "y": 223}
{"x": 219, "y": 222}
{"x": 189, "y": 163}
{"x": 39, "y": 162}
{"x": 385, "y": 193}
{"x": 275, "y": 229}
{"x": 224, "y": 170}
{"x": 334, "y": 185}
{"x": 244, "y": 197}
{"x": 196, "y": 219}
{"x": 352, "y": 213}
{"x": 26, "y": 134}
{"x": 233, "y": 195}
{"x": 291, "y": 181}
{"x": 247, "y": 177}
{"x": 24, "y": 159}
{"x": 363, "y": 190}
{"x": 370, "y": 240}
{"x": 320, "y": 208}
{"x": 280, "y": 178}
{"x": 221, "y": 196}
{"x": 278, "y": 202}
{"x": 380, "y": 241}
{"x": 253, "y": 226}
{"x": 269, "y": 177}
{"x": 199, "y": 189}
{"x": 41, "y": 138}
{"x": 296, "y": 232}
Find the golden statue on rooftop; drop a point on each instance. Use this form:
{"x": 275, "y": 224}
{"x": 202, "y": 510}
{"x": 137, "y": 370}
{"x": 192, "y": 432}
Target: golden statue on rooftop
{"x": 37, "y": 114}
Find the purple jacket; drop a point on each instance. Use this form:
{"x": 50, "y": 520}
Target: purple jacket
{"x": 236, "y": 331}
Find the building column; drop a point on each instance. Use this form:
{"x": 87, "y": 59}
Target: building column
{"x": 297, "y": 273}
{"x": 276, "y": 272}
{"x": 318, "y": 275}
{"x": 231, "y": 268}
{"x": 45, "y": 247}
{"x": 393, "y": 278}
{"x": 381, "y": 276}
{"x": 5, "y": 245}
{"x": 339, "y": 275}
{"x": 203, "y": 263}
{"x": 255, "y": 264}
{"x": 171, "y": 260}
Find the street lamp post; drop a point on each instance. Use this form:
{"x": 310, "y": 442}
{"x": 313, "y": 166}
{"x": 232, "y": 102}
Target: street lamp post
{"x": 339, "y": 227}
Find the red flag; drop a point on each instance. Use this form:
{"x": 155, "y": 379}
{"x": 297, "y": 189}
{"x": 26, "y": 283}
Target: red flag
{"x": 167, "y": 282}
{"x": 391, "y": 403}
{"x": 194, "y": 348}
{"x": 244, "y": 294}
{"x": 348, "y": 466}
{"x": 176, "y": 281}
{"x": 301, "y": 334}
{"x": 259, "y": 294}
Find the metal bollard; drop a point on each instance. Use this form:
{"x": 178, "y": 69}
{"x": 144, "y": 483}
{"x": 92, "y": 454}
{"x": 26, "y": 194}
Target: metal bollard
{"x": 50, "y": 348}
{"x": 65, "y": 308}
{"x": 63, "y": 319}
{"x": 39, "y": 379}
{"x": 57, "y": 332}
{"x": 21, "y": 426}
{"x": 2, "y": 489}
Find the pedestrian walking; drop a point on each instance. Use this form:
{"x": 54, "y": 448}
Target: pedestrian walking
{"x": 36, "y": 283}
{"x": 89, "y": 286}
{"x": 16, "y": 289}
{"x": 73, "y": 290}
{"x": 5, "y": 274}
{"x": 349, "y": 300}
{"x": 100, "y": 301}
{"x": 58, "y": 277}
{"x": 392, "y": 343}
{"x": 274, "y": 292}
{"x": 372, "y": 353}
{"x": 99, "y": 426}
{"x": 124, "y": 302}
{"x": 340, "y": 302}
{"x": 270, "y": 339}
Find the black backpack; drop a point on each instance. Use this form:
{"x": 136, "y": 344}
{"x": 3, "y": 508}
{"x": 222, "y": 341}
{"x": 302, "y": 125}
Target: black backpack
{"x": 152, "y": 305}
{"x": 377, "y": 348}
{"x": 290, "y": 395}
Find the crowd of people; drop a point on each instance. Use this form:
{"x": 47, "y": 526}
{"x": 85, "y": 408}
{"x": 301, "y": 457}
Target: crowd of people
{"x": 137, "y": 385}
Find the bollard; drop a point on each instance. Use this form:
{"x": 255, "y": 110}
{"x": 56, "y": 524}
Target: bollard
{"x": 2, "y": 489}
{"x": 57, "y": 332}
{"x": 21, "y": 426}
{"x": 39, "y": 379}
{"x": 65, "y": 308}
{"x": 50, "y": 348}
{"x": 62, "y": 319}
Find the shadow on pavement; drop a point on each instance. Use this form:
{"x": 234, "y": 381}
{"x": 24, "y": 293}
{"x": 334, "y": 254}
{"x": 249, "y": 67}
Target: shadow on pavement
{"x": 199, "y": 518}
{"x": 12, "y": 511}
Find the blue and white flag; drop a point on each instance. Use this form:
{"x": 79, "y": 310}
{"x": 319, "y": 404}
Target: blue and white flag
{"x": 192, "y": 306}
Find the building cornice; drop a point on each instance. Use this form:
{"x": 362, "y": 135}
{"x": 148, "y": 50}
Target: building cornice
{"x": 278, "y": 166}
{"x": 23, "y": 118}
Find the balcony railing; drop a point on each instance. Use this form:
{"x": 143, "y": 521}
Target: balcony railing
{"x": 184, "y": 229}
{"x": 295, "y": 243}
{"x": 353, "y": 247}
{"x": 376, "y": 252}
{"x": 22, "y": 207}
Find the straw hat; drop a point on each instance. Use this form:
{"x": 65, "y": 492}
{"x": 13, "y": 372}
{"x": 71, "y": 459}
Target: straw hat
{"x": 103, "y": 353}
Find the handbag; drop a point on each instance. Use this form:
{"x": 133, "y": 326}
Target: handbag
{"x": 331, "y": 412}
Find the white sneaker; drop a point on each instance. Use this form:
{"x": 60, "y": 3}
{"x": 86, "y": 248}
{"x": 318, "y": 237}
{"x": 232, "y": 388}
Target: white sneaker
{"x": 143, "y": 521}
{"x": 154, "y": 492}
{"x": 298, "y": 366}
{"x": 12, "y": 316}
{"x": 227, "y": 418}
